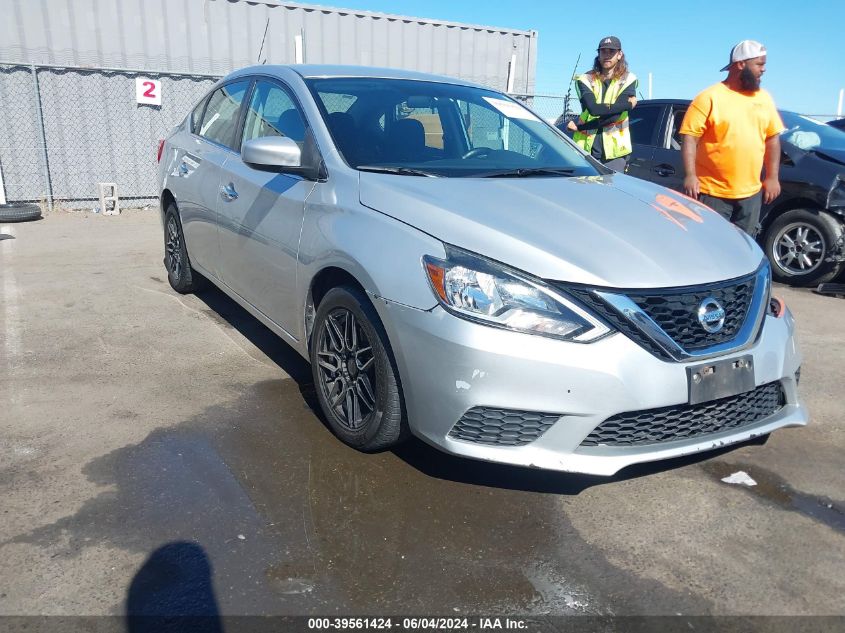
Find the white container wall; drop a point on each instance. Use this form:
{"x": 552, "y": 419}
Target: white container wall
{"x": 217, "y": 36}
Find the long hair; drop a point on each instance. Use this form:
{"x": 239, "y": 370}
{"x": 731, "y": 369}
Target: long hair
{"x": 619, "y": 71}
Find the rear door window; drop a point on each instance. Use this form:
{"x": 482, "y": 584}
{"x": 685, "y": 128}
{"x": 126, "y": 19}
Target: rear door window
{"x": 644, "y": 121}
{"x": 220, "y": 120}
{"x": 675, "y": 140}
{"x": 196, "y": 116}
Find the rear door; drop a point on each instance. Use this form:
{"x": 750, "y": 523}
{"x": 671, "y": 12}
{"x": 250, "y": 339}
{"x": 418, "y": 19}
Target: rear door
{"x": 667, "y": 164}
{"x": 645, "y": 125}
{"x": 199, "y": 168}
{"x": 261, "y": 211}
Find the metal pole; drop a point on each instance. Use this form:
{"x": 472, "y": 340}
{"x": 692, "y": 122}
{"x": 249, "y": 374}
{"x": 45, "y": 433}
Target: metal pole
{"x": 839, "y": 109}
{"x": 649, "y": 85}
{"x": 2, "y": 186}
{"x": 43, "y": 139}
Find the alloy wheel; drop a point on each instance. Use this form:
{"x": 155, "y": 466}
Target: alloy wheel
{"x": 173, "y": 248}
{"x": 347, "y": 368}
{"x": 798, "y": 248}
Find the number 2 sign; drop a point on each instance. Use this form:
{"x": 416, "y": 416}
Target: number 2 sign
{"x": 147, "y": 91}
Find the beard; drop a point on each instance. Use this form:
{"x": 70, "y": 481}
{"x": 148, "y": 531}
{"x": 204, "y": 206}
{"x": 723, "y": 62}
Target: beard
{"x": 748, "y": 81}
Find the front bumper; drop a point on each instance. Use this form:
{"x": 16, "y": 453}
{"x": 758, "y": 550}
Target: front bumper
{"x": 448, "y": 366}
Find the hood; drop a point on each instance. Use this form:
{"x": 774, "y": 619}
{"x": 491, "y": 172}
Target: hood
{"x": 829, "y": 156}
{"x": 832, "y": 154}
{"x": 613, "y": 231}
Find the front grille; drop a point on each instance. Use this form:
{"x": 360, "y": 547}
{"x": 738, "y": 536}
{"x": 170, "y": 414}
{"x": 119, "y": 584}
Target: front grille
{"x": 679, "y": 422}
{"x": 502, "y": 427}
{"x": 677, "y": 312}
{"x": 618, "y": 322}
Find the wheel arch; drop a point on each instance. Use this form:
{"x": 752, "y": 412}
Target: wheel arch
{"x": 790, "y": 204}
{"x": 167, "y": 198}
{"x": 331, "y": 276}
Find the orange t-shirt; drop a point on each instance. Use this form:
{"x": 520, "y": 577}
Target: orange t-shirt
{"x": 732, "y": 128}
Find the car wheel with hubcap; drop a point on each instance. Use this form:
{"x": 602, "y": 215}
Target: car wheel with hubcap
{"x": 799, "y": 244}
{"x": 354, "y": 372}
{"x": 183, "y": 279}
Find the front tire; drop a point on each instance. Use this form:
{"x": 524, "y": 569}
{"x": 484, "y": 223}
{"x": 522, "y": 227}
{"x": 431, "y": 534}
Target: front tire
{"x": 797, "y": 244}
{"x": 183, "y": 279}
{"x": 354, "y": 372}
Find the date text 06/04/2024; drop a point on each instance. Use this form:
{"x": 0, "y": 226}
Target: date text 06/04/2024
{"x": 413, "y": 624}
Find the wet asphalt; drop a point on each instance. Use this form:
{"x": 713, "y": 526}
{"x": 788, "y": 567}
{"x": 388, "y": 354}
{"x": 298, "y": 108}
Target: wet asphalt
{"x": 161, "y": 453}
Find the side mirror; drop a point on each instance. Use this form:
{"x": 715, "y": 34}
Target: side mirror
{"x": 272, "y": 152}
{"x": 282, "y": 154}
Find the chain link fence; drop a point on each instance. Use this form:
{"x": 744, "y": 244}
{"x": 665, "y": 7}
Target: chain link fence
{"x": 65, "y": 130}
{"x": 551, "y": 108}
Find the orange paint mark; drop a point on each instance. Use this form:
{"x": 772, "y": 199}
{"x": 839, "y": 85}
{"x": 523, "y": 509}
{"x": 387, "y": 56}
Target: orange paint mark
{"x": 676, "y": 206}
{"x": 668, "y": 216}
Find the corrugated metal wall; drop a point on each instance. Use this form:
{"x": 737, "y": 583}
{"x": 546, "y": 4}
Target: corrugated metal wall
{"x": 63, "y": 130}
{"x": 217, "y": 36}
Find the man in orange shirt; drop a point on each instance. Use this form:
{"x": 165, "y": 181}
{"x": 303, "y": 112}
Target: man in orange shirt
{"x": 730, "y": 131}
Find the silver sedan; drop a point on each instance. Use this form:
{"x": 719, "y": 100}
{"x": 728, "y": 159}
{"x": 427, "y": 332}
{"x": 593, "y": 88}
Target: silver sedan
{"x": 454, "y": 268}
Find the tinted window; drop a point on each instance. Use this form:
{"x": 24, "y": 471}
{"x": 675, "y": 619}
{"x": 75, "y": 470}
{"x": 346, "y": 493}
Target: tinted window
{"x": 444, "y": 129}
{"x": 196, "y": 116}
{"x": 221, "y": 115}
{"x": 807, "y": 133}
{"x": 272, "y": 112}
{"x": 643, "y": 122}
{"x": 675, "y": 140}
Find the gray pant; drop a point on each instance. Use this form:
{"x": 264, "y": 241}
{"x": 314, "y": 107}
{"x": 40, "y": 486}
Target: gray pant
{"x": 744, "y": 212}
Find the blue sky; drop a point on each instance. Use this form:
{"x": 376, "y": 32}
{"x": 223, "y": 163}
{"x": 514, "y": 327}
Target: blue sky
{"x": 683, "y": 44}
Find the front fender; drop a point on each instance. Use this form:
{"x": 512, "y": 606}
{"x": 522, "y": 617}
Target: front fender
{"x": 383, "y": 254}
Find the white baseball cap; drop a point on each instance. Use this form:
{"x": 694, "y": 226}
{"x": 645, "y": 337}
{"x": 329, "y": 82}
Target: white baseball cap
{"x": 746, "y": 49}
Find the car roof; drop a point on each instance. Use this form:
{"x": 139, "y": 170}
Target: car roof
{"x": 687, "y": 102}
{"x": 314, "y": 71}
{"x": 664, "y": 101}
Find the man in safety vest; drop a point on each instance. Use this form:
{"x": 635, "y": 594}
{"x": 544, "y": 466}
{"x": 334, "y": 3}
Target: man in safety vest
{"x": 607, "y": 93}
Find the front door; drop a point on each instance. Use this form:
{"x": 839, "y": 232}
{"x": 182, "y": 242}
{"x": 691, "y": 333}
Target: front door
{"x": 261, "y": 212}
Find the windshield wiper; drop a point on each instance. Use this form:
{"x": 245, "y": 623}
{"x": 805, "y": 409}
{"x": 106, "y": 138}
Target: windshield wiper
{"x": 401, "y": 171}
{"x": 522, "y": 172}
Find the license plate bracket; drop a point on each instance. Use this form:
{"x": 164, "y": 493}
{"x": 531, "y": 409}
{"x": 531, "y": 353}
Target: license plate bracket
{"x": 720, "y": 379}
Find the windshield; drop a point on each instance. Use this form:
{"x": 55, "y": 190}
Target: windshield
{"x": 422, "y": 128}
{"x": 808, "y": 134}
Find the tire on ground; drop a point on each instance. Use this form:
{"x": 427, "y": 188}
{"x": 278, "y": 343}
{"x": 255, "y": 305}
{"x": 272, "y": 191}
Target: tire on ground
{"x": 335, "y": 374}
{"x": 829, "y": 228}
{"x": 182, "y": 277}
{"x": 19, "y": 212}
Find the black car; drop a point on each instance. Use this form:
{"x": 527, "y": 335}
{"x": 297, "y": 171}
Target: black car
{"x": 839, "y": 124}
{"x": 803, "y": 231}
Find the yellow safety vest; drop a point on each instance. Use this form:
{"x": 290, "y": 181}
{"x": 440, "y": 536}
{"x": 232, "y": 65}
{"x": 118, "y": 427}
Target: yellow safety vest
{"x": 616, "y": 136}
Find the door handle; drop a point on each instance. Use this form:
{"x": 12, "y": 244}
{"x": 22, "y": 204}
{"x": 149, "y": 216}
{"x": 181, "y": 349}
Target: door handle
{"x": 228, "y": 192}
{"x": 664, "y": 170}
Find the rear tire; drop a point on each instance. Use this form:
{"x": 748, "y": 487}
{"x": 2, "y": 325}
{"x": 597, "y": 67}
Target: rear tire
{"x": 797, "y": 244}
{"x": 183, "y": 279}
{"x": 19, "y": 212}
{"x": 354, "y": 372}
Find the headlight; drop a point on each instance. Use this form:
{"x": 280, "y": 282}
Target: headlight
{"x": 481, "y": 290}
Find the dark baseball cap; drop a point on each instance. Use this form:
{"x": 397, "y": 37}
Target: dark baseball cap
{"x": 611, "y": 41}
